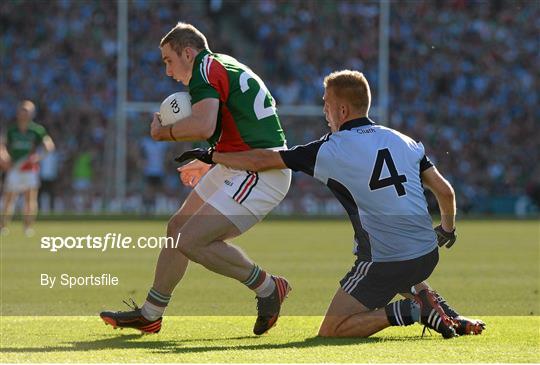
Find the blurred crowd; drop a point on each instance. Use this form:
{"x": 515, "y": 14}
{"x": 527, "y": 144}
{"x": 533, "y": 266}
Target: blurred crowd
{"x": 463, "y": 80}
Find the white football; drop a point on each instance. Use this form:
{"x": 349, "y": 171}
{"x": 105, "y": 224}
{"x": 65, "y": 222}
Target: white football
{"x": 175, "y": 107}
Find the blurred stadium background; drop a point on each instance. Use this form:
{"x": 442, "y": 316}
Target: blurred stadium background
{"x": 461, "y": 76}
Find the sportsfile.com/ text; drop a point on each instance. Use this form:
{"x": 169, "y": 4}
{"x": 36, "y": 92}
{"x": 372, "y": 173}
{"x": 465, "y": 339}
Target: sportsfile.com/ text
{"x": 108, "y": 241}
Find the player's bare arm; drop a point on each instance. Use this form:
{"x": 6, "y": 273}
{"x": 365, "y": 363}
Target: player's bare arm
{"x": 445, "y": 196}
{"x": 4, "y": 154}
{"x": 48, "y": 144}
{"x": 5, "y": 158}
{"x": 47, "y": 147}
{"x": 253, "y": 160}
{"x": 200, "y": 125}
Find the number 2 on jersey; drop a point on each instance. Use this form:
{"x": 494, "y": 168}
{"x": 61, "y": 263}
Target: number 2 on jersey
{"x": 375, "y": 182}
{"x": 260, "y": 110}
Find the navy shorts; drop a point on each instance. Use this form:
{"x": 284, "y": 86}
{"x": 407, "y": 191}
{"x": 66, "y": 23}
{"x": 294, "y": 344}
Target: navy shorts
{"x": 374, "y": 284}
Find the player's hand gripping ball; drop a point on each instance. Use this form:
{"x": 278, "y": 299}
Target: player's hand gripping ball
{"x": 175, "y": 107}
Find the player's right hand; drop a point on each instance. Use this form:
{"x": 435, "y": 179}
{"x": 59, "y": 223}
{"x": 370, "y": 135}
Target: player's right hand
{"x": 445, "y": 238}
{"x": 191, "y": 173}
{"x": 156, "y": 128}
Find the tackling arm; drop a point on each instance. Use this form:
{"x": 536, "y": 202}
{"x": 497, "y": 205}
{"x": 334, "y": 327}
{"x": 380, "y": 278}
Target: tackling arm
{"x": 445, "y": 196}
{"x": 253, "y": 160}
{"x": 198, "y": 126}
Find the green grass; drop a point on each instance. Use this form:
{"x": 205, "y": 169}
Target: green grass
{"x": 228, "y": 339}
{"x": 492, "y": 272}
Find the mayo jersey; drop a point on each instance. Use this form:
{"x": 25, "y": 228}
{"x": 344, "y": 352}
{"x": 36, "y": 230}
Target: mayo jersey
{"x": 21, "y": 144}
{"x": 374, "y": 172}
{"x": 247, "y": 116}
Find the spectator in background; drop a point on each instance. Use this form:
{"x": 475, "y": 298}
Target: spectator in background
{"x": 153, "y": 159}
{"x": 49, "y": 175}
{"x": 461, "y": 72}
{"x": 82, "y": 173}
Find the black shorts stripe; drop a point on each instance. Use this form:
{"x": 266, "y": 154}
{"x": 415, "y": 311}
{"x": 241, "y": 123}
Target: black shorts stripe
{"x": 250, "y": 188}
{"x": 242, "y": 184}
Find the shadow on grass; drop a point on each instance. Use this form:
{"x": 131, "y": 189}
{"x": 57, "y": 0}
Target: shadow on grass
{"x": 139, "y": 341}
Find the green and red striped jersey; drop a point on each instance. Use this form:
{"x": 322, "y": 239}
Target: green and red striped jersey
{"x": 247, "y": 115}
{"x": 21, "y": 144}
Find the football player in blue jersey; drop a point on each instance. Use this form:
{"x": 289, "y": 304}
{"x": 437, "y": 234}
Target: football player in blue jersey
{"x": 378, "y": 175}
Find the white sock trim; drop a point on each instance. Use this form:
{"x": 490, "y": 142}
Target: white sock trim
{"x": 266, "y": 288}
{"x": 151, "y": 311}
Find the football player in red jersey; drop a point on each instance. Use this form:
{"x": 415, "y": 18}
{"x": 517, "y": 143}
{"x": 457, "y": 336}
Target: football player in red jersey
{"x": 234, "y": 111}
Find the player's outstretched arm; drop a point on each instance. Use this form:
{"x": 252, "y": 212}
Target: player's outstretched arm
{"x": 253, "y": 160}
{"x": 445, "y": 196}
{"x": 48, "y": 144}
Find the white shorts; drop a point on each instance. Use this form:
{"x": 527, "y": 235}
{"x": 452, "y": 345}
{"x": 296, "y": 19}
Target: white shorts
{"x": 245, "y": 197}
{"x": 18, "y": 181}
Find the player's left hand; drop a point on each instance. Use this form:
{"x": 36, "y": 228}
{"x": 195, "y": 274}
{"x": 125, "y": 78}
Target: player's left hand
{"x": 155, "y": 128}
{"x": 191, "y": 173}
{"x": 445, "y": 238}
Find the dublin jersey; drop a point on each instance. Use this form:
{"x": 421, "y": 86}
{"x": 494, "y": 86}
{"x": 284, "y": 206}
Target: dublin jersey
{"x": 247, "y": 115}
{"x": 374, "y": 172}
{"x": 21, "y": 144}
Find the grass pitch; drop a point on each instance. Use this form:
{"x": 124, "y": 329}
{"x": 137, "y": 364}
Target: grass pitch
{"x": 491, "y": 272}
{"x": 228, "y": 340}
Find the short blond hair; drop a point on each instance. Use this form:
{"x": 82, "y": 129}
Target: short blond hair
{"x": 351, "y": 86}
{"x": 184, "y": 35}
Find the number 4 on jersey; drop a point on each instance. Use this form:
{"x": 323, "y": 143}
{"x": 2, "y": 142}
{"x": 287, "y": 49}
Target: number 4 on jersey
{"x": 384, "y": 156}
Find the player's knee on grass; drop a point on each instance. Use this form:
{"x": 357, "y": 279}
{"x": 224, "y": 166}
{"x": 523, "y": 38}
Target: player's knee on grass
{"x": 329, "y": 327}
{"x": 325, "y": 331}
{"x": 342, "y": 327}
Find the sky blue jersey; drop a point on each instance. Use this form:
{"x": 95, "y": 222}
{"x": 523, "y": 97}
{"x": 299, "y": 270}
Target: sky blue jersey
{"x": 374, "y": 171}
